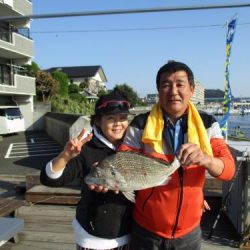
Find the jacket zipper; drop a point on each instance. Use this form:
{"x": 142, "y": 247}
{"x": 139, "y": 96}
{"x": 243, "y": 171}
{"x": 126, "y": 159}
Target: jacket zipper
{"x": 180, "y": 172}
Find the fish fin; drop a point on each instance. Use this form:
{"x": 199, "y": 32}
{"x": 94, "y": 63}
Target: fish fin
{"x": 164, "y": 181}
{"x": 130, "y": 195}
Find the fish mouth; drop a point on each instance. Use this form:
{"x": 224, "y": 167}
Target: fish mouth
{"x": 88, "y": 180}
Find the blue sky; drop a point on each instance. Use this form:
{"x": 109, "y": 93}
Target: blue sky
{"x": 134, "y": 57}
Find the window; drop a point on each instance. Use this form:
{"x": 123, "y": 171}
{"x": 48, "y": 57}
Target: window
{"x": 4, "y": 32}
{"x": 13, "y": 113}
{"x": 5, "y": 77}
{"x": 2, "y": 112}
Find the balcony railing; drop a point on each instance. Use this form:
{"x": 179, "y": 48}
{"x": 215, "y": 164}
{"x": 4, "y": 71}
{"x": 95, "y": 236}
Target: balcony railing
{"x": 19, "y": 46}
{"x": 13, "y": 79}
{"x": 22, "y": 85}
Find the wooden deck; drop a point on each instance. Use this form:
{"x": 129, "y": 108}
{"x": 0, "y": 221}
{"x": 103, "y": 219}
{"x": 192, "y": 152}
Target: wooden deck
{"x": 49, "y": 227}
{"x": 46, "y": 227}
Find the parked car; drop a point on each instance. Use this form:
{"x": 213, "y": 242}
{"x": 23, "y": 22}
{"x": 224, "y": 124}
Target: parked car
{"x": 11, "y": 120}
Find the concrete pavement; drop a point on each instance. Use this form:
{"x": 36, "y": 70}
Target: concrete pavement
{"x": 26, "y": 153}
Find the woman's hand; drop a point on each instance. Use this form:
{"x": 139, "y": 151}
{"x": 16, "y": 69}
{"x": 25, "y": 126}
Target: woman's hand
{"x": 100, "y": 189}
{"x": 72, "y": 149}
{"x": 74, "y": 146}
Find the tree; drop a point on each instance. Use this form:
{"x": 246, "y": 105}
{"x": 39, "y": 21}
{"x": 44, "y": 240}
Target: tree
{"x": 63, "y": 81}
{"x": 73, "y": 88}
{"x": 129, "y": 93}
{"x": 102, "y": 92}
{"x": 214, "y": 93}
{"x": 84, "y": 85}
{"x": 30, "y": 69}
{"x": 46, "y": 85}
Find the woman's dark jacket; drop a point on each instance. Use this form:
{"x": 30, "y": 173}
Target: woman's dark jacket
{"x": 105, "y": 215}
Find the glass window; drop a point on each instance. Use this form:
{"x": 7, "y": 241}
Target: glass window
{"x": 13, "y": 112}
{"x": 2, "y": 112}
{"x": 4, "y": 32}
{"x": 5, "y": 76}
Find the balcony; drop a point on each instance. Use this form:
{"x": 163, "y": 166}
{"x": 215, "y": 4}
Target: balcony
{"x": 16, "y": 7}
{"x": 23, "y": 85}
{"x": 20, "y": 47}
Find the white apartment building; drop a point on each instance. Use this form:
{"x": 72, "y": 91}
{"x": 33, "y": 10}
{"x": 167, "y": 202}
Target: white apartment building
{"x": 199, "y": 94}
{"x": 16, "y": 49}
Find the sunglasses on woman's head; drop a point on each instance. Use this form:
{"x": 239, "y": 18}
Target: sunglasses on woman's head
{"x": 115, "y": 104}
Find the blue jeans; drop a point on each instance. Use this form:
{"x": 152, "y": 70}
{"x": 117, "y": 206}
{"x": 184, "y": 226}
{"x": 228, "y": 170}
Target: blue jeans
{"x": 145, "y": 240}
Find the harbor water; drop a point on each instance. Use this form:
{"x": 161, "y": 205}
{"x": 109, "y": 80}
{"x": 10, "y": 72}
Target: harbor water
{"x": 238, "y": 123}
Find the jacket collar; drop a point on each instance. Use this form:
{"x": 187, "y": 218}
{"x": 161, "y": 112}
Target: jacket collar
{"x": 102, "y": 138}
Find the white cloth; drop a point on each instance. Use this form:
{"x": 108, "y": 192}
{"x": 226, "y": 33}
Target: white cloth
{"x": 51, "y": 173}
{"x": 84, "y": 239}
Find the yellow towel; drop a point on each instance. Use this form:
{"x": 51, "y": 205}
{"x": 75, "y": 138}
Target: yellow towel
{"x": 197, "y": 134}
{"x": 152, "y": 133}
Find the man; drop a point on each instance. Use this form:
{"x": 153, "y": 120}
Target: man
{"x": 168, "y": 216}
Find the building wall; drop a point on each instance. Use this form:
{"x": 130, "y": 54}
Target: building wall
{"x": 151, "y": 99}
{"x": 16, "y": 49}
{"x": 199, "y": 94}
{"x": 95, "y": 83}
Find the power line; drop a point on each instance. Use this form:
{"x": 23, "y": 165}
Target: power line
{"x": 133, "y": 29}
{"x": 126, "y": 11}
{"x": 127, "y": 29}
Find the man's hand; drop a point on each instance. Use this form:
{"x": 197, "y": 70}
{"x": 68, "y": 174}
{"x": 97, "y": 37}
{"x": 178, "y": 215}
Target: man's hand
{"x": 190, "y": 154}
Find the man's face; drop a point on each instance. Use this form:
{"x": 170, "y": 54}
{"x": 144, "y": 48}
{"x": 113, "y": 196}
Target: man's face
{"x": 174, "y": 93}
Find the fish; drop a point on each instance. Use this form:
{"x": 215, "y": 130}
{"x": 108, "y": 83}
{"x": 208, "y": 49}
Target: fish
{"x": 128, "y": 172}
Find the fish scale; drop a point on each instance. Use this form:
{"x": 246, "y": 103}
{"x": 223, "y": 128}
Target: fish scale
{"x": 129, "y": 171}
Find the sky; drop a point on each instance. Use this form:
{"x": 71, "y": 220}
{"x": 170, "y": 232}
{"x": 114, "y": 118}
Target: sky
{"x": 132, "y": 47}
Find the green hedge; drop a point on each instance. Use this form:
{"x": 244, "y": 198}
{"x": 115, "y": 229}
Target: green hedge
{"x": 67, "y": 105}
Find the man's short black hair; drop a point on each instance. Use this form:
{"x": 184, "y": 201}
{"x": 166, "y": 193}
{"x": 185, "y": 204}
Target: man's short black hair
{"x": 172, "y": 67}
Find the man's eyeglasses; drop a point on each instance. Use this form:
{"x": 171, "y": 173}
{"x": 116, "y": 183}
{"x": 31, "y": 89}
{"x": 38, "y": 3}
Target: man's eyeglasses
{"x": 115, "y": 104}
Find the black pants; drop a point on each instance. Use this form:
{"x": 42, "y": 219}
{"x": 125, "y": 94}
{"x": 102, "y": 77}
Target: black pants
{"x": 145, "y": 240}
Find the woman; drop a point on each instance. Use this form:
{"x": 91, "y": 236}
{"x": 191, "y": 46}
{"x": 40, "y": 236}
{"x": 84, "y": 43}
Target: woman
{"x": 102, "y": 219}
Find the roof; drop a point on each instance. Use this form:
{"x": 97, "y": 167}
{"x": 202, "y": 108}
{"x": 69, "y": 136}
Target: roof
{"x": 80, "y": 71}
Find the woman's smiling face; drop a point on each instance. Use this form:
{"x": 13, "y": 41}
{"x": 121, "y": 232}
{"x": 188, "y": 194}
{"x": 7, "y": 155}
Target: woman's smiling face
{"x": 113, "y": 126}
